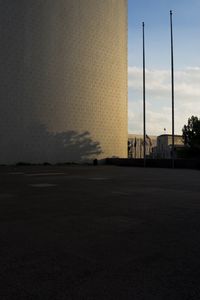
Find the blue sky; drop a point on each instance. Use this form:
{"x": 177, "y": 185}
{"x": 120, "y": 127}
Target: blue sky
{"x": 186, "y": 25}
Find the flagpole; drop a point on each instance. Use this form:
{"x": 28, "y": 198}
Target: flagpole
{"x": 135, "y": 146}
{"x": 172, "y": 83}
{"x": 144, "y": 97}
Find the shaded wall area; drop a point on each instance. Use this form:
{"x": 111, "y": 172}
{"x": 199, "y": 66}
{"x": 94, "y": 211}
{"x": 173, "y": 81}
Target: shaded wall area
{"x": 35, "y": 144}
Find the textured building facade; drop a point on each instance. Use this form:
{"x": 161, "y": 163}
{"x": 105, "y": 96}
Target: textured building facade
{"x": 64, "y": 80}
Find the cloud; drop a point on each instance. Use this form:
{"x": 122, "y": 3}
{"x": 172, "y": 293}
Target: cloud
{"x": 158, "y": 95}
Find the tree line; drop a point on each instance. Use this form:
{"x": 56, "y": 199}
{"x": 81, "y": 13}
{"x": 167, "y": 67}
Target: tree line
{"x": 191, "y": 137}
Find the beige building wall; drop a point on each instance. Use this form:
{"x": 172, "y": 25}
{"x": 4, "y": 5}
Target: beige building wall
{"x": 64, "y": 80}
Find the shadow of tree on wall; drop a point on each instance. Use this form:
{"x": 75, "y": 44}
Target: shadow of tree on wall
{"x": 35, "y": 144}
{"x": 74, "y": 146}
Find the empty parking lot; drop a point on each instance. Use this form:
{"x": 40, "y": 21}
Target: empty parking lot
{"x": 99, "y": 232}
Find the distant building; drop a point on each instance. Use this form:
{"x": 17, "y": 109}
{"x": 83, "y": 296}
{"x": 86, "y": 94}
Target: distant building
{"x": 164, "y": 146}
{"x": 136, "y": 145}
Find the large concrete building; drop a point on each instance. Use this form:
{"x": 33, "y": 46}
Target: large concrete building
{"x": 63, "y": 80}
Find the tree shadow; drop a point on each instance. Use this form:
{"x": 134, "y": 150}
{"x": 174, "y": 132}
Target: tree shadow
{"x": 35, "y": 144}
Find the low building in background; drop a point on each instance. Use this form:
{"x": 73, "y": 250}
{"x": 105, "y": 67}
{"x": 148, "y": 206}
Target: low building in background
{"x": 164, "y": 146}
{"x": 136, "y": 145}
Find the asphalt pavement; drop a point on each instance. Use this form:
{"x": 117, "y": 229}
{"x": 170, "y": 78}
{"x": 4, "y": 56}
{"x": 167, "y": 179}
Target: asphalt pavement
{"x": 99, "y": 232}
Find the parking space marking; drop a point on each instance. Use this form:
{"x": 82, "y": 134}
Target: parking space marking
{"x": 43, "y": 174}
{"x": 41, "y": 185}
{"x": 99, "y": 178}
{"x": 15, "y": 173}
{"x": 6, "y": 196}
{"x": 120, "y": 193}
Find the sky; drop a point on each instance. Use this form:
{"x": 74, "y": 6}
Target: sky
{"x": 186, "y": 31}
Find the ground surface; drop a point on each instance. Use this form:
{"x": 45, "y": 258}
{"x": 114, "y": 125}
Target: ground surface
{"x": 99, "y": 233}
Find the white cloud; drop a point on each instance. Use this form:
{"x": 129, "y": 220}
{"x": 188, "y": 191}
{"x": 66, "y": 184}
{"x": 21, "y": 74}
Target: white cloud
{"x": 158, "y": 95}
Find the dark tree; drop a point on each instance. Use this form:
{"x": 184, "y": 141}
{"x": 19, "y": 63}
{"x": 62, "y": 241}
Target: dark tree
{"x": 191, "y": 135}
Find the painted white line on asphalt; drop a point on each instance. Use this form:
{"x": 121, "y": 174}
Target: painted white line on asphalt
{"x": 120, "y": 193}
{"x": 15, "y": 173}
{"x": 6, "y": 195}
{"x": 41, "y": 185}
{"x": 99, "y": 178}
{"x": 43, "y": 174}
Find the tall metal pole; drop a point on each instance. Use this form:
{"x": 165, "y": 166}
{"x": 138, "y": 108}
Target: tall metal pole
{"x": 144, "y": 98}
{"x": 172, "y": 81}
